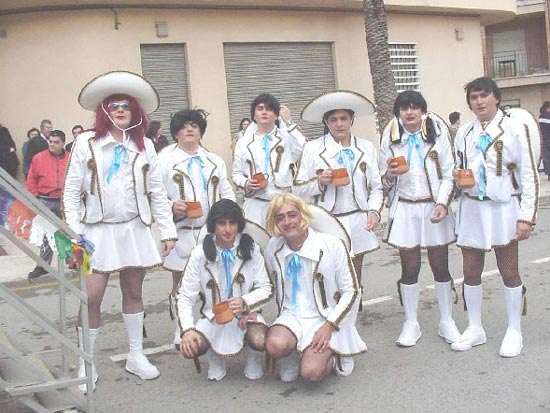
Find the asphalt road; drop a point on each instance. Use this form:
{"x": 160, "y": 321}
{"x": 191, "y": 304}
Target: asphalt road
{"x": 428, "y": 377}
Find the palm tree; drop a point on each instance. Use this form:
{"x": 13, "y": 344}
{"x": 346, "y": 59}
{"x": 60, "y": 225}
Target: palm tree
{"x": 376, "y": 28}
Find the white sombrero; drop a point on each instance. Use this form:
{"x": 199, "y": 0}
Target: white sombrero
{"x": 323, "y": 221}
{"x": 338, "y": 99}
{"x": 119, "y": 83}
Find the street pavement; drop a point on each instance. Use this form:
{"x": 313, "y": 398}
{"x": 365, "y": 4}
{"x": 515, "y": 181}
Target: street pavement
{"x": 428, "y": 377}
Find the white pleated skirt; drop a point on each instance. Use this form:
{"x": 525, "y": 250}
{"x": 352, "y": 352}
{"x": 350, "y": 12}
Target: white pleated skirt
{"x": 225, "y": 340}
{"x": 486, "y": 224}
{"x": 178, "y": 257}
{"x": 346, "y": 341}
{"x": 409, "y": 226}
{"x": 362, "y": 240}
{"x": 121, "y": 246}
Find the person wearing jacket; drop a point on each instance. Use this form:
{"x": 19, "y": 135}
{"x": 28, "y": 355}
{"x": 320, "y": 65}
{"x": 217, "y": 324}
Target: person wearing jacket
{"x": 113, "y": 189}
{"x": 497, "y": 212}
{"x": 45, "y": 181}
{"x": 420, "y": 216}
{"x": 317, "y": 295}
{"x": 190, "y": 173}
{"x": 228, "y": 267}
{"x": 356, "y": 205}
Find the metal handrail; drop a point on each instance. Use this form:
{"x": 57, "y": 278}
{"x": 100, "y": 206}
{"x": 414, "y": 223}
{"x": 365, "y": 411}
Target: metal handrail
{"x": 14, "y": 188}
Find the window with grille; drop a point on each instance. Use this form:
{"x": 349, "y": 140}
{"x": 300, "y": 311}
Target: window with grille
{"x": 404, "y": 63}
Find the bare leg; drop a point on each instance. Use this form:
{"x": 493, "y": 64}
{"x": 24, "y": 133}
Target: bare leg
{"x": 281, "y": 344}
{"x": 131, "y": 284}
{"x": 95, "y": 286}
{"x": 316, "y": 366}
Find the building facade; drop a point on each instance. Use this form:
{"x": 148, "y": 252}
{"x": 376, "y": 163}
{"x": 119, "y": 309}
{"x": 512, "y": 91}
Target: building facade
{"x": 219, "y": 54}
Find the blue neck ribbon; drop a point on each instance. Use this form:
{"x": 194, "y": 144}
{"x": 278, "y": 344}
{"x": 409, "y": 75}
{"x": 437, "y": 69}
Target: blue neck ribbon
{"x": 414, "y": 142}
{"x": 121, "y": 155}
{"x": 228, "y": 259}
{"x": 482, "y": 144}
{"x": 293, "y": 269}
{"x": 267, "y": 151}
{"x": 346, "y": 158}
{"x": 197, "y": 160}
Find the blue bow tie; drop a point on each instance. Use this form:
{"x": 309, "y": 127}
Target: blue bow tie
{"x": 413, "y": 142}
{"x": 346, "y": 158}
{"x": 293, "y": 269}
{"x": 266, "y": 140}
{"x": 197, "y": 160}
{"x": 482, "y": 145}
{"x": 121, "y": 155}
{"x": 228, "y": 259}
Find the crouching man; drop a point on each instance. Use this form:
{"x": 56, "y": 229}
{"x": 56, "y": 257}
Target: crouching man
{"x": 317, "y": 294}
{"x": 228, "y": 267}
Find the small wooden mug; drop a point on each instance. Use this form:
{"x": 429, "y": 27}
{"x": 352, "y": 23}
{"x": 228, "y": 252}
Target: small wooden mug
{"x": 402, "y": 165}
{"x": 340, "y": 177}
{"x": 222, "y": 313}
{"x": 260, "y": 179}
{"x": 465, "y": 178}
{"x": 194, "y": 209}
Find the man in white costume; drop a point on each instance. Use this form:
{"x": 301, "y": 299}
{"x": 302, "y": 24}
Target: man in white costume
{"x": 317, "y": 294}
{"x": 228, "y": 266}
{"x": 190, "y": 173}
{"x": 497, "y": 212}
{"x": 113, "y": 188}
{"x": 268, "y": 148}
{"x": 420, "y": 216}
{"x": 358, "y": 204}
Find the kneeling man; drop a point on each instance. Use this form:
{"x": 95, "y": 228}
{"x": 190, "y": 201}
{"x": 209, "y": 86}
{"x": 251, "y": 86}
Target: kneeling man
{"x": 317, "y": 293}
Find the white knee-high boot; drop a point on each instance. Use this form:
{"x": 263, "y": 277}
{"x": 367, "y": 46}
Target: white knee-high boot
{"x": 474, "y": 335}
{"x": 410, "y": 332}
{"x": 447, "y": 326}
{"x": 216, "y": 366}
{"x": 81, "y": 365}
{"x": 136, "y": 362}
{"x": 253, "y": 368}
{"x": 513, "y": 342}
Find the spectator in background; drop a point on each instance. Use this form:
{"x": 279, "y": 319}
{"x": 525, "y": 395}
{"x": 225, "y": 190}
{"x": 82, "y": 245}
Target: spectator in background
{"x": 39, "y": 143}
{"x": 454, "y": 120}
{"x": 153, "y": 133}
{"x": 544, "y": 123}
{"x": 32, "y": 133}
{"x": 76, "y": 130}
{"x": 8, "y": 154}
{"x": 45, "y": 181}
{"x": 240, "y": 133}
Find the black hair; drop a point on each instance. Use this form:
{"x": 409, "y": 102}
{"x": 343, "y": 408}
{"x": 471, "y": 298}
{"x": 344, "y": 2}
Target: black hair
{"x": 267, "y": 99}
{"x": 32, "y": 130}
{"x": 226, "y": 208}
{"x": 408, "y": 98}
{"x": 485, "y": 84}
{"x": 181, "y": 118}
{"x": 330, "y": 112}
{"x": 153, "y": 128}
{"x": 544, "y": 107}
{"x": 76, "y": 127}
{"x": 454, "y": 116}
{"x": 58, "y": 134}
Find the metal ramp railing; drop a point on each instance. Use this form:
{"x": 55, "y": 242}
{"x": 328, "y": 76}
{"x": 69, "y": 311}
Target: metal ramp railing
{"x": 25, "y": 374}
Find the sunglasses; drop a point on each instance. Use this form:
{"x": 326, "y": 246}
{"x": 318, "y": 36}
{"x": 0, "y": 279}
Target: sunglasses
{"x": 114, "y": 106}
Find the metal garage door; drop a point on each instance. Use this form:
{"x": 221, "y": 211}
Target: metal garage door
{"x": 164, "y": 65}
{"x": 293, "y": 72}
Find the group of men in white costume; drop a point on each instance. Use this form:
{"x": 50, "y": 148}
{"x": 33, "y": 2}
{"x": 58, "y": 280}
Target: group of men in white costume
{"x": 315, "y": 278}
{"x": 190, "y": 173}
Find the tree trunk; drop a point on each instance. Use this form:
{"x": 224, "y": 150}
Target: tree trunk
{"x": 376, "y": 28}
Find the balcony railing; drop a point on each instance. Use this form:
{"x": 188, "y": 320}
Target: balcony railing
{"x": 516, "y": 63}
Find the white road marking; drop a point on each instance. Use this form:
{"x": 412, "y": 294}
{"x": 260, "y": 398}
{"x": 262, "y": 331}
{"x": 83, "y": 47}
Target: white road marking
{"x": 372, "y": 301}
{"x": 542, "y": 260}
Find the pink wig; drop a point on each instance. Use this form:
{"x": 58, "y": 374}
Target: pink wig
{"x": 103, "y": 123}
